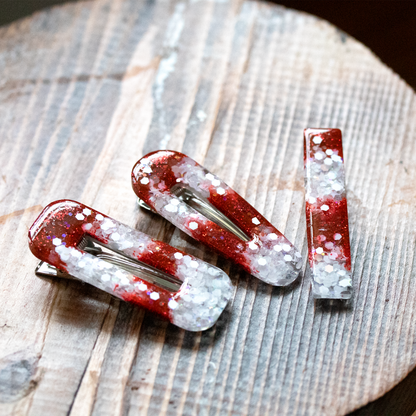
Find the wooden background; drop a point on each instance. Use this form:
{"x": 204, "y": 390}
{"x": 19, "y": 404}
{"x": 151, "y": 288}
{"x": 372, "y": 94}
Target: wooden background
{"x": 85, "y": 90}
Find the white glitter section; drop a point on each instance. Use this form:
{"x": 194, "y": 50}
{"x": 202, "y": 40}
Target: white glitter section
{"x": 255, "y": 221}
{"x": 56, "y": 242}
{"x": 144, "y": 181}
{"x": 79, "y": 217}
{"x": 202, "y": 297}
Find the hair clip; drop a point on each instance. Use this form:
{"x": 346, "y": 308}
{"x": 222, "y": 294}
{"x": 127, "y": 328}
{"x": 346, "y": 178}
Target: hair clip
{"x": 203, "y": 206}
{"x": 70, "y": 238}
{"x": 327, "y": 215}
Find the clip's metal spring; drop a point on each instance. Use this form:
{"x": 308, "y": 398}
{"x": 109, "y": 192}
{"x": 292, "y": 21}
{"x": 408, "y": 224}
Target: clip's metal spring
{"x": 204, "y": 208}
{"x": 135, "y": 267}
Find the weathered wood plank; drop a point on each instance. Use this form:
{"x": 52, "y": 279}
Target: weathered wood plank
{"x": 87, "y": 89}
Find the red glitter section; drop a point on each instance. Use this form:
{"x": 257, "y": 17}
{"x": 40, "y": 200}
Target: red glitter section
{"x": 231, "y": 204}
{"x": 58, "y": 220}
{"x": 335, "y": 219}
{"x": 328, "y": 223}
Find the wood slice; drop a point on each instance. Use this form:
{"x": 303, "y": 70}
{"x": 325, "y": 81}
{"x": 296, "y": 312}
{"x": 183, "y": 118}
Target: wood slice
{"x": 86, "y": 90}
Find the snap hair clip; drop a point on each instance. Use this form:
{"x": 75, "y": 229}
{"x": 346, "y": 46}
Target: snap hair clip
{"x": 327, "y": 214}
{"x": 203, "y": 206}
{"x": 70, "y": 239}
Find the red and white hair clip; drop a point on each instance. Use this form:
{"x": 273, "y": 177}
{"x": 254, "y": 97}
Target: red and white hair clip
{"x": 71, "y": 237}
{"x": 203, "y": 206}
{"x": 327, "y": 214}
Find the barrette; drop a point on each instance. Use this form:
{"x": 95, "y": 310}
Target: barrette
{"x": 203, "y": 206}
{"x": 327, "y": 214}
{"x": 71, "y": 239}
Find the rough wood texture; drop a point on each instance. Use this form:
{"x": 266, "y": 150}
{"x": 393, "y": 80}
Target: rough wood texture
{"x": 88, "y": 88}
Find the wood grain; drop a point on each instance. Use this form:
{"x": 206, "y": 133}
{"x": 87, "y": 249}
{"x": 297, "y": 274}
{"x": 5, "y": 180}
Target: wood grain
{"x": 85, "y": 90}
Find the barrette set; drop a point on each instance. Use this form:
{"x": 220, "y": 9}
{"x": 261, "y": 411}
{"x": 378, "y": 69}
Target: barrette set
{"x": 73, "y": 240}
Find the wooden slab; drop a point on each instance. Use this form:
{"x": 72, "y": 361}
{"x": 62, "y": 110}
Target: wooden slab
{"x": 88, "y": 88}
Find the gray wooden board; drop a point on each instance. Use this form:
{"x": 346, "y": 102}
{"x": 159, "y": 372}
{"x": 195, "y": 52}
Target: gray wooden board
{"x": 88, "y": 88}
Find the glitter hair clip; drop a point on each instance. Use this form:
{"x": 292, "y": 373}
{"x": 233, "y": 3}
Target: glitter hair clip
{"x": 71, "y": 239}
{"x": 203, "y": 206}
{"x": 327, "y": 215}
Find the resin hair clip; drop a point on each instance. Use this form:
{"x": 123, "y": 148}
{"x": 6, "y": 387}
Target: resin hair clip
{"x": 203, "y": 206}
{"x": 327, "y": 215}
{"x": 70, "y": 237}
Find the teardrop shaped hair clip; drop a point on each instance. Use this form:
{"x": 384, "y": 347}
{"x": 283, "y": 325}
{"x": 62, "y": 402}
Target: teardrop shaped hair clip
{"x": 71, "y": 239}
{"x": 203, "y": 206}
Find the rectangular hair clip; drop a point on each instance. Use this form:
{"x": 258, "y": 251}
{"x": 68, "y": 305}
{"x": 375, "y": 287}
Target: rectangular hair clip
{"x": 69, "y": 238}
{"x": 327, "y": 214}
{"x": 203, "y": 206}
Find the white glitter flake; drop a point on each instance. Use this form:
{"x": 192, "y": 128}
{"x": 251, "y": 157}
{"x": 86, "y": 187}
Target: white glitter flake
{"x": 319, "y": 155}
{"x": 86, "y": 212}
{"x": 115, "y": 236}
{"x": 262, "y": 261}
{"x": 337, "y": 236}
{"x": 99, "y": 217}
{"x": 324, "y": 207}
{"x": 272, "y": 236}
{"x": 255, "y": 221}
{"x": 107, "y": 224}
{"x": 154, "y": 296}
{"x": 193, "y": 225}
{"x": 288, "y": 257}
{"x": 252, "y": 245}
{"x": 220, "y": 191}
{"x": 319, "y": 250}
{"x": 79, "y": 216}
{"x": 144, "y": 181}
{"x": 345, "y": 283}
{"x": 142, "y": 287}
{"x": 210, "y": 176}
{"x": 56, "y": 241}
{"x": 172, "y": 304}
{"x": 216, "y": 182}
{"x": 317, "y": 140}
{"x": 178, "y": 256}
{"x": 171, "y": 208}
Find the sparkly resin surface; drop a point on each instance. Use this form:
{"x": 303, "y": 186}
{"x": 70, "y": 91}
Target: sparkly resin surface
{"x": 196, "y": 306}
{"x": 267, "y": 254}
{"x": 327, "y": 215}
